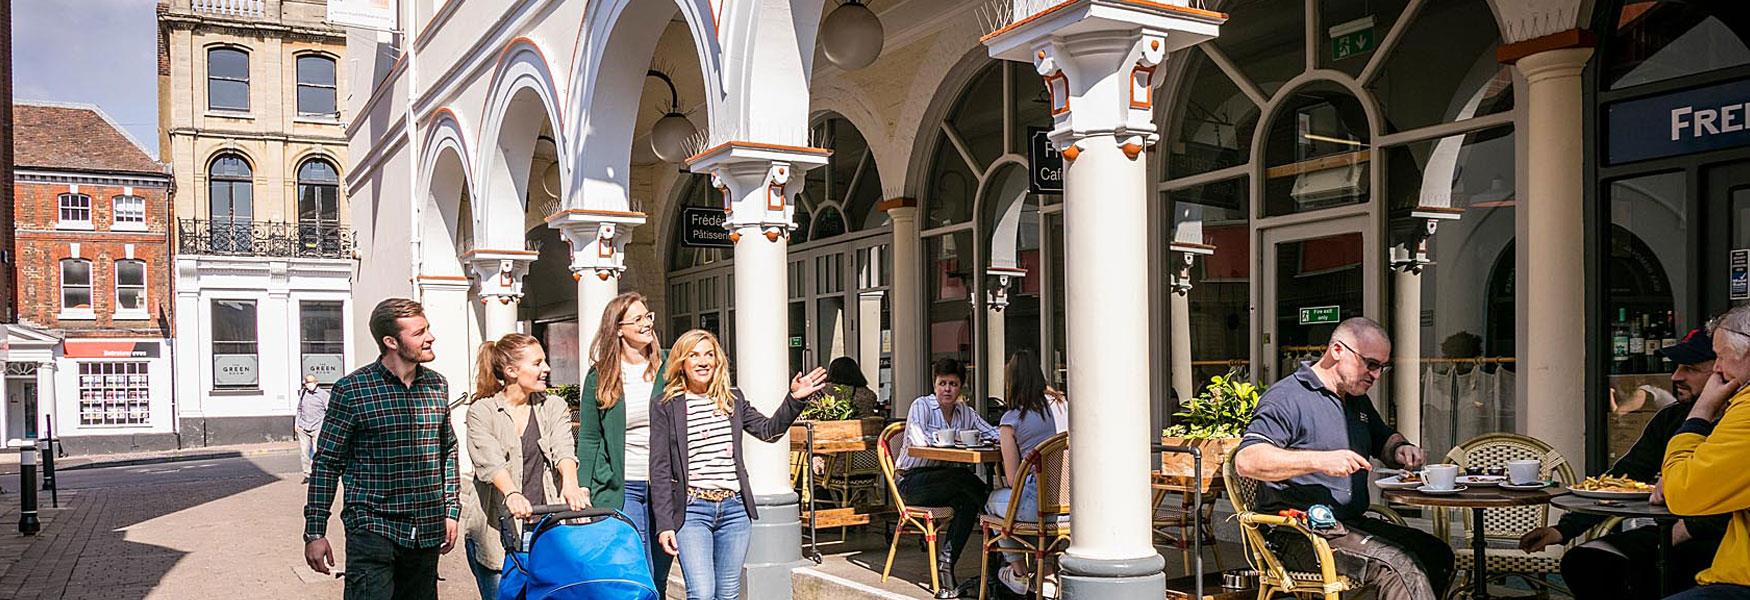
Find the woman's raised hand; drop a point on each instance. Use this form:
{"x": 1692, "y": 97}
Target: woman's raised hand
{"x": 804, "y": 386}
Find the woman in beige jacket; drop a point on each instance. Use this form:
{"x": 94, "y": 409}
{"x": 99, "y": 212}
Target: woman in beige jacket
{"x": 522, "y": 447}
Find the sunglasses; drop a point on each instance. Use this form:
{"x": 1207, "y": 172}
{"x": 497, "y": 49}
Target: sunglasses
{"x": 1373, "y": 366}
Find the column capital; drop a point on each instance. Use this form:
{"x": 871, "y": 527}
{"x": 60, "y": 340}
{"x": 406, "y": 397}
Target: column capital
{"x": 1410, "y": 254}
{"x": 755, "y": 179}
{"x": 997, "y": 292}
{"x": 1187, "y": 257}
{"x": 500, "y": 273}
{"x": 1101, "y": 62}
{"x": 597, "y": 239}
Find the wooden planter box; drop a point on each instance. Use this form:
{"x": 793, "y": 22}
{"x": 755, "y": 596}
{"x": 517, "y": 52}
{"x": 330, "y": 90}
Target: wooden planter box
{"x": 838, "y": 431}
{"x": 1178, "y": 467}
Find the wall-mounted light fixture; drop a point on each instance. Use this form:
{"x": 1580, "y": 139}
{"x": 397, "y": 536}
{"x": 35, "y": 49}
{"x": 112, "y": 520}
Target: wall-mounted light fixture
{"x": 851, "y": 36}
{"x": 668, "y": 137}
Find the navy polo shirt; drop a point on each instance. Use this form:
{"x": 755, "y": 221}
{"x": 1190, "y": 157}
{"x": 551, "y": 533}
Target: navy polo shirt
{"x": 1300, "y": 413}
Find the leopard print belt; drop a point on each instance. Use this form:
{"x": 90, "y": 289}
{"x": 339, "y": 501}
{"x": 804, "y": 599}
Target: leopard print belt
{"x": 710, "y": 495}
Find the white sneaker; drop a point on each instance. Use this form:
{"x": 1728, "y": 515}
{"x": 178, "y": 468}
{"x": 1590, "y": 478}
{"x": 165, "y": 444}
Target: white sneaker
{"x": 1014, "y": 582}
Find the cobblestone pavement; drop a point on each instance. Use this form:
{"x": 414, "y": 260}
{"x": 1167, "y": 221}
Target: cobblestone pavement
{"x": 227, "y": 528}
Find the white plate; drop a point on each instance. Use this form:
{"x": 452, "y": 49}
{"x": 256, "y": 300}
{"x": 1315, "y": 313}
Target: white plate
{"x": 1433, "y": 492}
{"x": 1535, "y": 485}
{"x": 1611, "y": 495}
{"x": 1482, "y": 480}
{"x": 1396, "y": 482}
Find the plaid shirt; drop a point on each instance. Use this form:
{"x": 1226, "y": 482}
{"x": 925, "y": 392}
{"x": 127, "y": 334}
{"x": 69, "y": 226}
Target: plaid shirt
{"x": 393, "y": 447}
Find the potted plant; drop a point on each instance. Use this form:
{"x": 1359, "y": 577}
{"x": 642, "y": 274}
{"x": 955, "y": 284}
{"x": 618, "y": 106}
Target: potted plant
{"x": 835, "y": 418}
{"x": 1212, "y": 422}
{"x": 568, "y": 392}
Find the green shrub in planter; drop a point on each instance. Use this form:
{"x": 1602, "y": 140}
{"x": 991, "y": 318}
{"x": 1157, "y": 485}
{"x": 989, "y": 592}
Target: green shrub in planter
{"x": 1222, "y": 411}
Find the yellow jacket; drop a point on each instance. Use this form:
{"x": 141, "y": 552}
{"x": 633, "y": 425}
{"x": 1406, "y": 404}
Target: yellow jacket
{"x": 1706, "y": 475}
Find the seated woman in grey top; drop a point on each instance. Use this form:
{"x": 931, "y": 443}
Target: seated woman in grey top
{"x": 1036, "y": 412}
{"x": 521, "y": 444}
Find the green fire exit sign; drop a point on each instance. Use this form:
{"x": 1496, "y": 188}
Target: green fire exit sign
{"x": 1320, "y": 315}
{"x": 1352, "y": 38}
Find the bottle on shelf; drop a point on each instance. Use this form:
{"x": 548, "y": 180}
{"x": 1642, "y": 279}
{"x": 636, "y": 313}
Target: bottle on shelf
{"x": 1637, "y": 344}
{"x": 1655, "y": 340}
{"x": 1671, "y": 337}
{"x": 1619, "y": 342}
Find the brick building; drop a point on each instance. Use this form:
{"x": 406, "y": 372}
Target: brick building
{"x": 92, "y": 221}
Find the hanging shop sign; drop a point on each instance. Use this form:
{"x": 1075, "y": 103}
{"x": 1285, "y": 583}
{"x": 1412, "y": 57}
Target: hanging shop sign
{"x": 1320, "y": 315}
{"x": 702, "y": 227}
{"x": 1044, "y": 163}
{"x": 326, "y": 367}
{"x": 1740, "y": 274}
{"x": 1678, "y": 123}
{"x": 378, "y": 15}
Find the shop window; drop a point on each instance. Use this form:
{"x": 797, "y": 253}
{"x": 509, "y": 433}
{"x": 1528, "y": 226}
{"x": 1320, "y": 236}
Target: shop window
{"x": 849, "y": 181}
{"x": 130, "y": 287}
{"x": 75, "y": 285}
{"x": 231, "y": 204}
{"x": 316, "y": 90}
{"x": 1216, "y": 215}
{"x": 318, "y": 208}
{"x": 1467, "y": 314}
{"x": 321, "y": 341}
{"x": 129, "y": 212}
{"x": 1269, "y": 45}
{"x": 1656, "y": 41}
{"x": 1001, "y": 105}
{"x": 1215, "y": 122}
{"x": 236, "y": 361}
{"x": 1646, "y": 296}
{"x": 115, "y": 393}
{"x": 227, "y": 79}
{"x": 949, "y": 269}
{"x": 978, "y": 116}
{"x": 75, "y": 211}
{"x": 1350, "y": 31}
{"x": 1316, "y": 152}
{"x": 1444, "y": 68}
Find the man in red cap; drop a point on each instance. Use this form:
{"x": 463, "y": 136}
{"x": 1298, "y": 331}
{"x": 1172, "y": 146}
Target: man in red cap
{"x": 1623, "y": 564}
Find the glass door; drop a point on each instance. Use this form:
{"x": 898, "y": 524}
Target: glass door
{"x": 1315, "y": 275}
{"x": 1728, "y": 258}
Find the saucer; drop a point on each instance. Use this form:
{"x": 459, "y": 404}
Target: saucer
{"x": 1535, "y": 485}
{"x": 1434, "y": 492}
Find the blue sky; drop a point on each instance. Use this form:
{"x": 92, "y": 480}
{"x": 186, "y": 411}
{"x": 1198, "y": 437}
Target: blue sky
{"x": 101, "y": 52}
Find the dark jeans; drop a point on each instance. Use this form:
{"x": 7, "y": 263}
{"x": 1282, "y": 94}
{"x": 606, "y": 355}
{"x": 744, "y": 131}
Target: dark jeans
{"x": 1402, "y": 563}
{"x": 377, "y": 568}
{"x": 1625, "y": 565}
{"x": 484, "y": 578}
{"x": 1716, "y": 591}
{"x": 637, "y": 508}
{"x": 953, "y": 487}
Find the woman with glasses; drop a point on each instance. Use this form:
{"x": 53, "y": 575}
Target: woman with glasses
{"x": 613, "y": 431}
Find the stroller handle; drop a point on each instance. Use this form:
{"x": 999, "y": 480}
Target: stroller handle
{"x": 544, "y": 513}
{"x": 563, "y": 512}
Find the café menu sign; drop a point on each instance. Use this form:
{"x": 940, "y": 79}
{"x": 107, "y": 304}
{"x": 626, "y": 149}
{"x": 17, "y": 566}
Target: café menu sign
{"x": 1682, "y": 122}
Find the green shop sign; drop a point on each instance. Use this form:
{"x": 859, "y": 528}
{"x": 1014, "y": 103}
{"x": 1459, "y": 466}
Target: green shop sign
{"x": 1320, "y": 315}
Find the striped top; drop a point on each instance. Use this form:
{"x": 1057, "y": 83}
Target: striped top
{"x": 710, "y": 455}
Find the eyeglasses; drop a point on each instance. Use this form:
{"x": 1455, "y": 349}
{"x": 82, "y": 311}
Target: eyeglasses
{"x": 649, "y": 317}
{"x": 1373, "y": 366}
{"x": 1725, "y": 328}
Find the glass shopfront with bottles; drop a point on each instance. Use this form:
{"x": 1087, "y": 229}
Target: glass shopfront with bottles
{"x": 1670, "y": 190}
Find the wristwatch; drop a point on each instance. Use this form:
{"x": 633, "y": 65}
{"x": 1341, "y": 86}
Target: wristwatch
{"x": 311, "y": 537}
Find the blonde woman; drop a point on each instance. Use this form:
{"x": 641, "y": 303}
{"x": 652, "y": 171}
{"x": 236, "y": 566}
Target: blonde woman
{"x": 699, "y": 491}
{"x": 613, "y": 432}
{"x": 521, "y": 446}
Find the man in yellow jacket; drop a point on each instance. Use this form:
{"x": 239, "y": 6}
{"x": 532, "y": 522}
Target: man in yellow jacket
{"x": 1704, "y": 470}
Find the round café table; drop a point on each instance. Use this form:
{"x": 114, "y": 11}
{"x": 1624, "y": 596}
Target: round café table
{"x": 1477, "y": 499}
{"x": 1632, "y": 509}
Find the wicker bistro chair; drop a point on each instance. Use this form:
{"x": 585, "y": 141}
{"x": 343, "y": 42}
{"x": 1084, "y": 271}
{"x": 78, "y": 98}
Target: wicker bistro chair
{"x": 1042, "y": 534}
{"x": 911, "y": 519}
{"x": 1506, "y": 525}
{"x": 1273, "y": 576}
{"x": 852, "y": 478}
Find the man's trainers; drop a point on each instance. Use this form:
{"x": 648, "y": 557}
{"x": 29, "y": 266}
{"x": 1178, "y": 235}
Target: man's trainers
{"x": 1014, "y": 582}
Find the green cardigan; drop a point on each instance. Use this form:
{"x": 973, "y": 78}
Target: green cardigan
{"x": 601, "y": 441}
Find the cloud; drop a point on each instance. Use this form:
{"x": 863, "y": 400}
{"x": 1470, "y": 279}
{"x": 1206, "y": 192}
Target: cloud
{"x": 101, "y": 52}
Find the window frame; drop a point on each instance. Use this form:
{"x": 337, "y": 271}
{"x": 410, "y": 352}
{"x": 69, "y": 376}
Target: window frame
{"x": 254, "y": 344}
{"x": 144, "y": 286}
{"x": 212, "y": 77}
{"x": 129, "y": 398}
{"x": 89, "y": 311}
{"x": 61, "y": 204}
{"x": 332, "y": 87}
{"x": 116, "y": 211}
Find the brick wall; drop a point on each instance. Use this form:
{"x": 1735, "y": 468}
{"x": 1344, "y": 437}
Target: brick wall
{"x": 42, "y": 246}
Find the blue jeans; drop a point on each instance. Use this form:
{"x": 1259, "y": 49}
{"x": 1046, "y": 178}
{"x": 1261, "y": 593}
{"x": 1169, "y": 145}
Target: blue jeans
{"x": 713, "y": 543}
{"x": 1715, "y": 591}
{"x": 486, "y": 579}
{"x": 637, "y": 508}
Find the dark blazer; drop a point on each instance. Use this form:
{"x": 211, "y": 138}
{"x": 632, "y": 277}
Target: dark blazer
{"x": 668, "y": 452}
{"x": 601, "y": 440}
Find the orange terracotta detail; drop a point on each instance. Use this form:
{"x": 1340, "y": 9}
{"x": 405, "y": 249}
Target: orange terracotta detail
{"x": 1071, "y": 153}
{"x": 1131, "y": 150}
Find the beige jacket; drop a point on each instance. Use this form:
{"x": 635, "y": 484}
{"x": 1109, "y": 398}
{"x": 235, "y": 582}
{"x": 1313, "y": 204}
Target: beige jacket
{"x": 495, "y": 444}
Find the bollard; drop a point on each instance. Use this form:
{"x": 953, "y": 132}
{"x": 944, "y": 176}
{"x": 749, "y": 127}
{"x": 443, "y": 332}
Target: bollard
{"x": 47, "y": 453}
{"x": 27, "y": 521}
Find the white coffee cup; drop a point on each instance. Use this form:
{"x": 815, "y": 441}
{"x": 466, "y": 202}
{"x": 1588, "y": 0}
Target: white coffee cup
{"x": 942, "y": 437}
{"x": 969, "y": 437}
{"x": 1440, "y": 477}
{"x": 1523, "y": 472}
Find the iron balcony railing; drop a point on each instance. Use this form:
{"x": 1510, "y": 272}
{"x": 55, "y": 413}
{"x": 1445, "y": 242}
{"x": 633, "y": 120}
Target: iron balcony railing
{"x": 239, "y": 237}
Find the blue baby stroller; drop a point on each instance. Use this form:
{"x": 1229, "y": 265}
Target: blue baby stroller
{"x": 592, "y": 554}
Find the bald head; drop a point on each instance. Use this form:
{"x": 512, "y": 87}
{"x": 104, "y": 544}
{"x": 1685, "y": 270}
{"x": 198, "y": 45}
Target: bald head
{"x": 1355, "y": 357}
{"x": 1360, "y": 330}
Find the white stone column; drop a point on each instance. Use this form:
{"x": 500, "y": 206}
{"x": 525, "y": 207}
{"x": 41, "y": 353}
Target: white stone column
{"x": 1554, "y": 366}
{"x": 47, "y": 400}
{"x": 598, "y": 244}
{"x": 1100, "y": 62}
{"x": 909, "y": 319}
{"x": 1407, "y": 264}
{"x": 996, "y": 342}
{"x": 445, "y": 298}
{"x": 499, "y": 275}
{"x": 759, "y": 182}
{"x": 1179, "y": 311}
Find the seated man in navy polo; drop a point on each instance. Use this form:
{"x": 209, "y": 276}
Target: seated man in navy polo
{"x": 1309, "y": 442}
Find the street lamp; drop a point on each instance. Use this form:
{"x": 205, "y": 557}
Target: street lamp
{"x": 668, "y": 137}
{"x": 851, "y": 36}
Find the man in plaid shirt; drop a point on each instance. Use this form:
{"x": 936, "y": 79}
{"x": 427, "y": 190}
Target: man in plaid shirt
{"x": 387, "y": 436}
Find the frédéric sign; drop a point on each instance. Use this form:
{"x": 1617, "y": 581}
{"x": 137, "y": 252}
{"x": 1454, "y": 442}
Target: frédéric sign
{"x": 1682, "y": 122}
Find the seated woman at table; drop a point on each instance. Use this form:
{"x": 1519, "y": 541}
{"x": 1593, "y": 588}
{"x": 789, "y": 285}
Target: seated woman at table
{"x": 934, "y": 483}
{"x": 1036, "y": 412}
